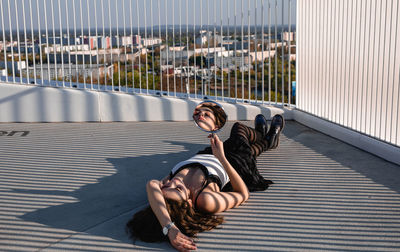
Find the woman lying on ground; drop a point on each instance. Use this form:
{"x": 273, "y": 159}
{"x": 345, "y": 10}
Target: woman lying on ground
{"x": 218, "y": 178}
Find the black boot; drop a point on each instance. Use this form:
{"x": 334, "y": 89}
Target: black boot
{"x": 260, "y": 124}
{"x": 272, "y": 137}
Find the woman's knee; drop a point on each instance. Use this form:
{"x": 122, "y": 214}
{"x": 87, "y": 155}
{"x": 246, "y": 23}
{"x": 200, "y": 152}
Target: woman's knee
{"x": 236, "y": 126}
{"x": 239, "y": 130}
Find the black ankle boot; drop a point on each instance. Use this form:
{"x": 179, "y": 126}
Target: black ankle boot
{"x": 272, "y": 137}
{"x": 260, "y": 124}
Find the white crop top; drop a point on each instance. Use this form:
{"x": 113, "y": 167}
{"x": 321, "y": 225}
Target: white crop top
{"x": 209, "y": 161}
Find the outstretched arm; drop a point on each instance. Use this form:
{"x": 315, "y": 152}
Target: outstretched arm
{"x": 214, "y": 202}
{"x": 157, "y": 203}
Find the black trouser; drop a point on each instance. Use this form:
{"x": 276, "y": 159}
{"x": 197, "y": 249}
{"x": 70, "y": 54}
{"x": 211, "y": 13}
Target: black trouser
{"x": 241, "y": 150}
{"x": 251, "y": 136}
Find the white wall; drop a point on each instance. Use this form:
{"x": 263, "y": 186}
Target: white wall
{"x": 27, "y": 103}
{"x": 348, "y": 64}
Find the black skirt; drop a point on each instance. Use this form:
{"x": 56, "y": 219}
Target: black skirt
{"x": 238, "y": 153}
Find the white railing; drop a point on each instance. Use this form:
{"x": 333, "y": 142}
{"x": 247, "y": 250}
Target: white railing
{"x": 348, "y": 65}
{"x": 225, "y": 50}
{"x": 347, "y": 68}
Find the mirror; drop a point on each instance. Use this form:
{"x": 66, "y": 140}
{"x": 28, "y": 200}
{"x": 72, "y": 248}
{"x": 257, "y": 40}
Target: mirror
{"x": 209, "y": 116}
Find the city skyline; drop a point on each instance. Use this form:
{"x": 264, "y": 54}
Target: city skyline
{"x": 198, "y": 28}
{"x": 83, "y": 14}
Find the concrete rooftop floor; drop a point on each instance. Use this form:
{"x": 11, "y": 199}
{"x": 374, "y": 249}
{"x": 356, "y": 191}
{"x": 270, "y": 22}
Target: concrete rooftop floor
{"x": 73, "y": 186}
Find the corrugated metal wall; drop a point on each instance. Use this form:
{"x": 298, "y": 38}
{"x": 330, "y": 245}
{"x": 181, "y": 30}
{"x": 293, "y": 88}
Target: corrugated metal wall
{"x": 348, "y": 64}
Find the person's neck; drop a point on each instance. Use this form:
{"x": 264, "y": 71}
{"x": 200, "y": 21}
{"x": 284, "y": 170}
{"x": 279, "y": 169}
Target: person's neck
{"x": 194, "y": 180}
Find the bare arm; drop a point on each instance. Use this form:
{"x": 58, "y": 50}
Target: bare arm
{"x": 214, "y": 202}
{"x": 157, "y": 203}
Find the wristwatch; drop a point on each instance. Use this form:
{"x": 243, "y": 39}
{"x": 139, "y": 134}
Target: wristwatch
{"x": 167, "y": 228}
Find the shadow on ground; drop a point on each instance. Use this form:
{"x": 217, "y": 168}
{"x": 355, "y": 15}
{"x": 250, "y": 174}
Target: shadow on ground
{"x": 371, "y": 166}
{"x": 111, "y": 197}
{"x": 327, "y": 195}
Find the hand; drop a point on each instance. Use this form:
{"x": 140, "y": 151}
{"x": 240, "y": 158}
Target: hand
{"x": 180, "y": 241}
{"x": 217, "y": 147}
{"x": 163, "y": 182}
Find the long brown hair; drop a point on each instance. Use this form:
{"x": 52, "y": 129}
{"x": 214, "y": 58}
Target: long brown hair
{"x": 145, "y": 226}
{"x": 219, "y": 113}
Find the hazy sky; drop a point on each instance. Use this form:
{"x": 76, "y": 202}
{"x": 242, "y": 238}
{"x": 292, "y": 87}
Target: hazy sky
{"x": 114, "y": 12}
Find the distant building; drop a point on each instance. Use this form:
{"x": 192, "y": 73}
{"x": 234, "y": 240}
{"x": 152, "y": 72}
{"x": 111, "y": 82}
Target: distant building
{"x": 136, "y": 40}
{"x": 232, "y": 62}
{"x": 150, "y": 41}
{"x": 286, "y": 36}
{"x": 272, "y": 37}
{"x": 94, "y": 42}
{"x": 274, "y": 45}
{"x": 3, "y": 72}
{"x": 236, "y": 45}
{"x": 228, "y": 40}
{"x": 108, "y": 42}
{"x": 247, "y": 37}
{"x": 18, "y": 66}
{"x": 176, "y": 48}
{"x": 180, "y": 56}
{"x": 29, "y": 47}
{"x": 98, "y": 42}
{"x": 126, "y": 41}
{"x": 203, "y": 38}
{"x": 261, "y": 56}
{"x": 65, "y": 48}
{"x": 66, "y": 73}
{"x": 290, "y": 57}
{"x": 57, "y": 40}
{"x": 94, "y": 56}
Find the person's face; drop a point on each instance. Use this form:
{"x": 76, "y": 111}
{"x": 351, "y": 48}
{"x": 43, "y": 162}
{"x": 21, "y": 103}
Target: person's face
{"x": 205, "y": 118}
{"x": 175, "y": 189}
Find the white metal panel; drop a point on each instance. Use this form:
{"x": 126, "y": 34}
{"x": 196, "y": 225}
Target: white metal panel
{"x": 362, "y": 59}
{"x": 313, "y": 36}
{"x": 371, "y": 41}
{"x": 335, "y": 65}
{"x": 352, "y": 83}
{"x": 379, "y": 69}
{"x": 395, "y": 122}
{"x": 348, "y": 69}
{"x": 340, "y": 49}
{"x": 390, "y": 53}
{"x": 321, "y": 55}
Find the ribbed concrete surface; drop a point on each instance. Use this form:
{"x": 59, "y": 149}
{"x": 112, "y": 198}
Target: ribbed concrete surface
{"x": 73, "y": 186}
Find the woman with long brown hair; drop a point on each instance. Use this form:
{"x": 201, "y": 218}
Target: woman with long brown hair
{"x": 188, "y": 200}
